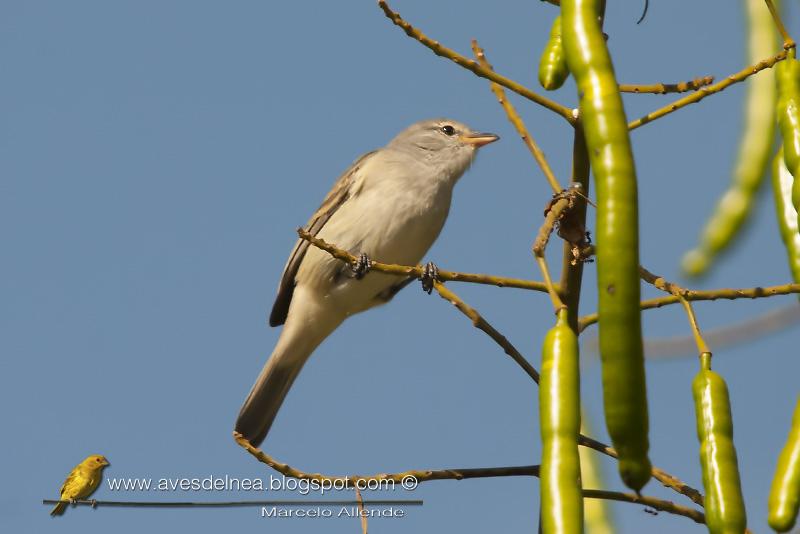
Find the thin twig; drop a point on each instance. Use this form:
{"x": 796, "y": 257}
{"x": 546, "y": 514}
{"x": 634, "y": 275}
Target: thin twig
{"x": 416, "y": 476}
{"x": 657, "y": 504}
{"x": 554, "y": 298}
{"x": 516, "y": 121}
{"x": 706, "y": 294}
{"x": 670, "y": 287}
{"x": 412, "y": 476}
{"x": 703, "y": 92}
{"x": 479, "y": 322}
{"x": 661, "y": 283}
{"x": 551, "y": 218}
{"x": 417, "y": 271}
{"x": 662, "y": 476}
{"x": 788, "y": 42}
{"x": 664, "y": 88}
{"x": 698, "y": 336}
{"x": 727, "y": 336}
{"x": 361, "y": 511}
{"x": 471, "y": 65}
{"x": 561, "y": 204}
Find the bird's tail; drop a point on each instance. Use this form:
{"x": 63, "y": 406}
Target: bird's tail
{"x": 59, "y": 509}
{"x": 299, "y": 338}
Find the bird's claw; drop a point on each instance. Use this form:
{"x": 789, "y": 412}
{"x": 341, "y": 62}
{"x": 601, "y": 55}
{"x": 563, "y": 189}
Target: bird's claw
{"x": 73, "y": 502}
{"x": 430, "y": 274}
{"x": 362, "y": 266}
{"x": 94, "y": 503}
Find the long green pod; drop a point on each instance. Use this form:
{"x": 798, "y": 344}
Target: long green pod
{"x": 755, "y": 147}
{"x": 786, "y": 213}
{"x": 724, "y": 505}
{"x": 553, "y": 71}
{"x": 784, "y": 495}
{"x": 617, "y": 237}
{"x": 787, "y": 76}
{"x": 560, "y": 421}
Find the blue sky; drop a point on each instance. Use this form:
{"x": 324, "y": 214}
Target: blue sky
{"x": 157, "y": 157}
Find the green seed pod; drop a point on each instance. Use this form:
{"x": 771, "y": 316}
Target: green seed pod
{"x": 553, "y": 71}
{"x": 784, "y": 496}
{"x": 786, "y": 213}
{"x": 755, "y": 146}
{"x": 725, "y": 512}
{"x": 787, "y": 75}
{"x": 617, "y": 238}
{"x": 560, "y": 421}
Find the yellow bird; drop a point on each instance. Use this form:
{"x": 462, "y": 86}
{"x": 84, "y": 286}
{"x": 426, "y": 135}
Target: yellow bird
{"x": 82, "y": 481}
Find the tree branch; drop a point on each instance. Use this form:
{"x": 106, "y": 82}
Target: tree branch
{"x": 516, "y": 121}
{"x": 417, "y": 271}
{"x": 664, "y": 88}
{"x": 706, "y": 294}
{"x": 703, "y": 92}
{"x": 480, "y": 323}
{"x": 472, "y": 66}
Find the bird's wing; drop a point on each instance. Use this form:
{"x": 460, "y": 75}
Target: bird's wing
{"x": 342, "y": 190}
{"x": 71, "y": 485}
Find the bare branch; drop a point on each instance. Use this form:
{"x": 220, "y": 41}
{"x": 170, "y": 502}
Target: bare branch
{"x": 703, "y": 92}
{"x": 664, "y": 88}
{"x": 516, "y": 121}
{"x": 471, "y": 65}
{"x": 417, "y": 271}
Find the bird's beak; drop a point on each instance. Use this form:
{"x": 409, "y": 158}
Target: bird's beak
{"x": 106, "y": 462}
{"x": 479, "y": 139}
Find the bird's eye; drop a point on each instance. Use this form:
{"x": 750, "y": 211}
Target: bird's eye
{"x": 448, "y": 130}
{"x": 97, "y": 459}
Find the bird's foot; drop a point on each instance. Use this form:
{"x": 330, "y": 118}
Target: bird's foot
{"x": 430, "y": 274}
{"x": 73, "y": 502}
{"x": 362, "y": 266}
{"x": 94, "y": 503}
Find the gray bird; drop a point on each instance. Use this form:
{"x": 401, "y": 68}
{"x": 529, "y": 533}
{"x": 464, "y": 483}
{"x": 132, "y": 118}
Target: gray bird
{"x": 390, "y": 205}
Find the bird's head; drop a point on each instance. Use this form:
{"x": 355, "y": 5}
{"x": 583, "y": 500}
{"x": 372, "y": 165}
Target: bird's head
{"x": 96, "y": 461}
{"x": 445, "y": 143}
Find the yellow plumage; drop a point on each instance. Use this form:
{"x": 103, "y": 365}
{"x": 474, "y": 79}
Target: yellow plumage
{"x": 82, "y": 481}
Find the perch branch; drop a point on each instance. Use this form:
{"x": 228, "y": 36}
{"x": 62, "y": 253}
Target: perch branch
{"x": 417, "y": 271}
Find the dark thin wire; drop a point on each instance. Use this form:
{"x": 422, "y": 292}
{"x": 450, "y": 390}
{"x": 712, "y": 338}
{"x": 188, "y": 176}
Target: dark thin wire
{"x": 644, "y": 13}
{"x": 211, "y": 504}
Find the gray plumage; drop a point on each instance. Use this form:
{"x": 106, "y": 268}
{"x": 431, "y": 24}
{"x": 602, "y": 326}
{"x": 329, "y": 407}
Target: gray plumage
{"x": 390, "y": 204}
